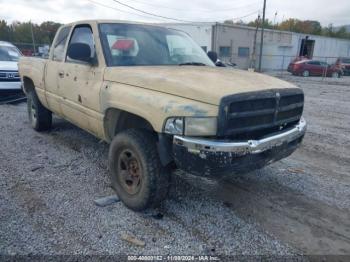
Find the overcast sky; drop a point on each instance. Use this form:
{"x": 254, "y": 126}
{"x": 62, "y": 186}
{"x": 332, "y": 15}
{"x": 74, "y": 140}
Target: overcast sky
{"x": 325, "y": 11}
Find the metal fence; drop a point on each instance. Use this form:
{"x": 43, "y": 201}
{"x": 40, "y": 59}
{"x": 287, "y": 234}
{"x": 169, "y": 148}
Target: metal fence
{"x": 270, "y": 62}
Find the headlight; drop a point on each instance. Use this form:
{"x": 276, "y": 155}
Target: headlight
{"x": 174, "y": 126}
{"x": 200, "y": 126}
{"x": 191, "y": 126}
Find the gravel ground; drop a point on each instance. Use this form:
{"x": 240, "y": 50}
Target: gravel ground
{"x": 300, "y": 205}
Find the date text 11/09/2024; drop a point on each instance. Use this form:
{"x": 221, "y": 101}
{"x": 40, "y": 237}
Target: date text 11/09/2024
{"x": 173, "y": 258}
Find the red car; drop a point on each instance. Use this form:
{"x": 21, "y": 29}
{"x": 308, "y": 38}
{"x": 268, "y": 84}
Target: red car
{"x": 314, "y": 68}
{"x": 344, "y": 64}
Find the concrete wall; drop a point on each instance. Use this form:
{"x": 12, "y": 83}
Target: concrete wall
{"x": 276, "y": 44}
{"x": 280, "y": 47}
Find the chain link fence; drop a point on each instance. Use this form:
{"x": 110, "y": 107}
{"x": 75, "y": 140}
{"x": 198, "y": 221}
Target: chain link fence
{"x": 277, "y": 63}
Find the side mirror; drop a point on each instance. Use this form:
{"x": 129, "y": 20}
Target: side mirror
{"x": 80, "y": 52}
{"x": 213, "y": 56}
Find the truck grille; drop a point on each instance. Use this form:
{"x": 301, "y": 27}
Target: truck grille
{"x": 9, "y": 76}
{"x": 256, "y": 114}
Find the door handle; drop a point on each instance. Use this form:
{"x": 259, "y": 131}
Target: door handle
{"x": 61, "y": 74}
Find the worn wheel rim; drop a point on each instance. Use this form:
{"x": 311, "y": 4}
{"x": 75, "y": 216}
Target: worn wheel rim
{"x": 335, "y": 75}
{"x": 33, "y": 113}
{"x": 306, "y": 73}
{"x": 129, "y": 171}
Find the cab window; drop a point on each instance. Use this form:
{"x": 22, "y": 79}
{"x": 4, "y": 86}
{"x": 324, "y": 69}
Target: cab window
{"x": 314, "y": 63}
{"x": 60, "y": 43}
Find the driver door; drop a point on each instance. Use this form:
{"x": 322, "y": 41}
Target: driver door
{"x": 80, "y": 84}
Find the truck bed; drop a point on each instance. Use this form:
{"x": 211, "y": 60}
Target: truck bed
{"x": 33, "y": 68}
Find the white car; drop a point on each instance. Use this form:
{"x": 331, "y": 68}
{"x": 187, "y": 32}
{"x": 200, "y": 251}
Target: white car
{"x": 9, "y": 78}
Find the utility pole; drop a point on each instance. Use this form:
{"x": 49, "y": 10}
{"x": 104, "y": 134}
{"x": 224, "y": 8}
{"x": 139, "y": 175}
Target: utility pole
{"x": 262, "y": 36}
{"x": 253, "y": 60}
{"x": 274, "y": 20}
{"x": 31, "y": 29}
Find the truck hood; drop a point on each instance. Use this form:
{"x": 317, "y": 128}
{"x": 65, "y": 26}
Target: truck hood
{"x": 8, "y": 65}
{"x": 201, "y": 83}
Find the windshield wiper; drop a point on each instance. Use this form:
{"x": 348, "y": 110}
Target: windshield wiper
{"x": 192, "y": 63}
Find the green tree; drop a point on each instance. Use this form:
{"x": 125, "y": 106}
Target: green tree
{"x": 48, "y": 30}
{"x": 228, "y": 22}
{"x": 20, "y": 32}
{"x": 342, "y": 33}
{"x": 306, "y": 27}
{"x": 267, "y": 24}
{"x": 4, "y": 31}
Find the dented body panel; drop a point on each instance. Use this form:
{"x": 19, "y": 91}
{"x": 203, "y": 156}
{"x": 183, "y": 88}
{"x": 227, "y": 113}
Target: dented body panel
{"x": 155, "y": 106}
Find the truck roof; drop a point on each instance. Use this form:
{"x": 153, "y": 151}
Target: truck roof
{"x": 100, "y": 21}
{"x": 3, "y": 43}
{"x": 105, "y": 21}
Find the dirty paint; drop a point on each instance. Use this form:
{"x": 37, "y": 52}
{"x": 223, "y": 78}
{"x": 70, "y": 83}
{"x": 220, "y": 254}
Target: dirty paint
{"x": 194, "y": 110}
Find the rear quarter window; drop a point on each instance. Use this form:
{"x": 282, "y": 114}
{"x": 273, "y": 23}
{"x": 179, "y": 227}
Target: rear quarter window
{"x": 60, "y": 43}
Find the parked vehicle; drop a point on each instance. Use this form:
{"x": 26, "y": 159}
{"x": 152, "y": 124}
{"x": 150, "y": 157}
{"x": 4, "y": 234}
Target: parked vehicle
{"x": 300, "y": 58}
{"x": 344, "y": 64}
{"x": 308, "y": 68}
{"x": 9, "y": 78}
{"x": 156, "y": 97}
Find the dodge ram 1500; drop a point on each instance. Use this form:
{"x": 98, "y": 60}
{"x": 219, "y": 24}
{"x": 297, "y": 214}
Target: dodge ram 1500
{"x": 156, "y": 97}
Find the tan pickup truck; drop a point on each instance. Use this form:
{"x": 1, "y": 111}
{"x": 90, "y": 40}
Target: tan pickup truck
{"x": 156, "y": 97}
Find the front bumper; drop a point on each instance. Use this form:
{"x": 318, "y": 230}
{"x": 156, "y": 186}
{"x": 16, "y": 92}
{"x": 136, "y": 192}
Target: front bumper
{"x": 13, "y": 86}
{"x": 206, "y": 157}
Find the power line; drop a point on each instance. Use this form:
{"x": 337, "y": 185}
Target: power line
{"x": 170, "y": 18}
{"x": 253, "y": 13}
{"x": 160, "y": 16}
{"x": 197, "y": 11}
{"x": 161, "y": 6}
{"x": 151, "y": 14}
{"x": 116, "y": 9}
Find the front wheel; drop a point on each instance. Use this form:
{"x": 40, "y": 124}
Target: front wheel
{"x": 40, "y": 118}
{"x": 137, "y": 175}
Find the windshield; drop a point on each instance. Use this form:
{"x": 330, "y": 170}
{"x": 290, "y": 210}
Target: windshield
{"x": 345, "y": 60}
{"x": 9, "y": 53}
{"x": 135, "y": 45}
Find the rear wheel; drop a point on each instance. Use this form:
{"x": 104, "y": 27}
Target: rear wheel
{"x": 40, "y": 118}
{"x": 306, "y": 73}
{"x": 335, "y": 75}
{"x": 136, "y": 172}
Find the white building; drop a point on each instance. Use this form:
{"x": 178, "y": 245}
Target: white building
{"x": 236, "y": 43}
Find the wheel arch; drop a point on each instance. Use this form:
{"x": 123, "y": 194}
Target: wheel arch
{"x": 28, "y": 84}
{"x": 117, "y": 120}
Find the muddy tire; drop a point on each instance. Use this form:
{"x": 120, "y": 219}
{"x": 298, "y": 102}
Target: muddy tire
{"x": 136, "y": 172}
{"x": 40, "y": 118}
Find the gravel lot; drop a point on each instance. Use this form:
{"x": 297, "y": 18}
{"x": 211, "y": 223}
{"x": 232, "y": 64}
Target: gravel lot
{"x": 301, "y": 205}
